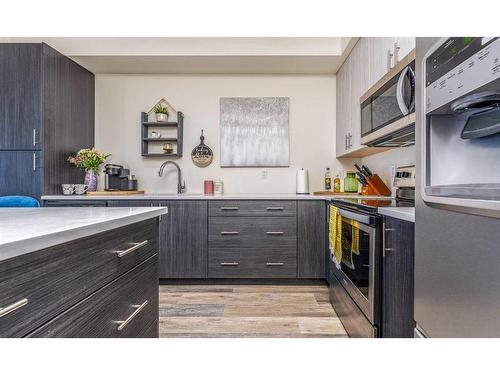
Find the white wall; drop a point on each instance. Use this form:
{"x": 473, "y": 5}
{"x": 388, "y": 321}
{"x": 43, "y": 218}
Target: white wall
{"x": 121, "y": 98}
{"x": 382, "y": 163}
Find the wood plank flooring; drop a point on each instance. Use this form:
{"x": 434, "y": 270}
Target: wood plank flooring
{"x": 247, "y": 311}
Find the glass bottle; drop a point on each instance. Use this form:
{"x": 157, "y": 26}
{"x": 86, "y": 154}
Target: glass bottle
{"x": 336, "y": 184}
{"x": 328, "y": 180}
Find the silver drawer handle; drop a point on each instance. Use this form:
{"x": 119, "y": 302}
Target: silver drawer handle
{"x": 229, "y": 233}
{"x": 130, "y": 249}
{"x": 275, "y": 233}
{"x": 11, "y": 308}
{"x": 124, "y": 323}
{"x": 270, "y": 264}
{"x": 229, "y": 264}
{"x": 229, "y": 208}
{"x": 275, "y": 208}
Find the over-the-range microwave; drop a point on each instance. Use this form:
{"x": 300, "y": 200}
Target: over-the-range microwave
{"x": 388, "y": 108}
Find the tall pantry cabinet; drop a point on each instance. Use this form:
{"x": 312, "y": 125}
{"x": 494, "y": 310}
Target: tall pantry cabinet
{"x": 46, "y": 114}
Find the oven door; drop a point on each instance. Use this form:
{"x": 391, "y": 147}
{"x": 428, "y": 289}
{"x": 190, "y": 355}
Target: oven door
{"x": 358, "y": 270}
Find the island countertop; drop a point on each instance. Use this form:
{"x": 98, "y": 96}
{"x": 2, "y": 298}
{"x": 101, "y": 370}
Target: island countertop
{"x": 24, "y": 230}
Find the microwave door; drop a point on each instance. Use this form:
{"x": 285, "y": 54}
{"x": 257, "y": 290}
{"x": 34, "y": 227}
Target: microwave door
{"x": 405, "y": 92}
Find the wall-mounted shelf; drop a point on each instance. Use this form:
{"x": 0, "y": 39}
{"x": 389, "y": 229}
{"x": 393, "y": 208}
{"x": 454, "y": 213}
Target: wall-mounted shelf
{"x": 146, "y": 139}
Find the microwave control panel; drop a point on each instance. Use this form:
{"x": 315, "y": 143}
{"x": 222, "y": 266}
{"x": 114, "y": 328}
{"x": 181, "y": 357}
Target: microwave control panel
{"x": 458, "y": 67}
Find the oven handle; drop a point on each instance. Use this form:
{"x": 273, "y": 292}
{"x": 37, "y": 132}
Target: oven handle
{"x": 354, "y": 216}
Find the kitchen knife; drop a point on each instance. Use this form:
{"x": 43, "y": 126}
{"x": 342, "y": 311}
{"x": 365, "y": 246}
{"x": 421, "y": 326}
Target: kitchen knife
{"x": 367, "y": 171}
{"x": 359, "y": 170}
{"x": 362, "y": 179}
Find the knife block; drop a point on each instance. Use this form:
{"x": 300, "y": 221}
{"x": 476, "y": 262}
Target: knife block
{"x": 377, "y": 185}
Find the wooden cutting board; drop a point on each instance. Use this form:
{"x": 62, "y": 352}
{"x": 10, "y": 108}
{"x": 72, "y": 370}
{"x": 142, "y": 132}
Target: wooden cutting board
{"x": 332, "y": 193}
{"x": 116, "y": 192}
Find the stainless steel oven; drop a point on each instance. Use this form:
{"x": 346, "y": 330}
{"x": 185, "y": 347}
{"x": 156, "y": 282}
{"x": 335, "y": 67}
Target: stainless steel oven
{"x": 359, "y": 269}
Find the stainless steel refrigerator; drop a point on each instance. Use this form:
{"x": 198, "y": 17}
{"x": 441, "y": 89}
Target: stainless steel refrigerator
{"x": 457, "y": 253}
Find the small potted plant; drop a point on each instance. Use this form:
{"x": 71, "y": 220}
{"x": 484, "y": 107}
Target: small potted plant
{"x": 162, "y": 113}
{"x": 90, "y": 160}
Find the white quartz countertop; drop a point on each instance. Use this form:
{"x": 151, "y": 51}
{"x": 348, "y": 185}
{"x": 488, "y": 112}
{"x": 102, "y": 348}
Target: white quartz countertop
{"x": 24, "y": 230}
{"x": 205, "y": 197}
{"x": 403, "y": 213}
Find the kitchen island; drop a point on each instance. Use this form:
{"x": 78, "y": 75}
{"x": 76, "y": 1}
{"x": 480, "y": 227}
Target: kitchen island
{"x": 79, "y": 272}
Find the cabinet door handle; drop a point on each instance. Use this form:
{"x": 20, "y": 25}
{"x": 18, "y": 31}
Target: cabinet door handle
{"x": 275, "y": 233}
{"x": 229, "y": 208}
{"x": 275, "y": 208}
{"x": 273, "y": 264}
{"x": 389, "y": 59}
{"x": 34, "y": 137}
{"x": 124, "y": 323}
{"x": 229, "y": 264}
{"x": 384, "y": 248}
{"x": 34, "y": 161}
{"x": 130, "y": 249}
{"x": 229, "y": 233}
{"x": 396, "y": 53}
{"x": 11, "y": 308}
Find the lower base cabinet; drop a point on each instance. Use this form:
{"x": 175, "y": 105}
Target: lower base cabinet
{"x": 127, "y": 307}
{"x": 227, "y": 238}
{"x": 84, "y": 287}
{"x": 398, "y": 279}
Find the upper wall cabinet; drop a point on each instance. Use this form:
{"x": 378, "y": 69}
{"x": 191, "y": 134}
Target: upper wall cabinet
{"x": 46, "y": 114}
{"x": 368, "y": 62}
{"x": 20, "y": 96}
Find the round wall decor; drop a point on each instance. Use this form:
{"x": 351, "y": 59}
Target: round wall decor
{"x": 202, "y": 155}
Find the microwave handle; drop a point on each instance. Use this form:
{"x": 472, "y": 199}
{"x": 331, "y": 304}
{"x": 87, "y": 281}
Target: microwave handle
{"x": 400, "y": 94}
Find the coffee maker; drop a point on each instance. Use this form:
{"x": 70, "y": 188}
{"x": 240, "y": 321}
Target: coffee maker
{"x": 118, "y": 178}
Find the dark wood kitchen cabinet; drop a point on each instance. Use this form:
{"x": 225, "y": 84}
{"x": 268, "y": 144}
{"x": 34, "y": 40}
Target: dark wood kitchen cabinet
{"x": 86, "y": 287}
{"x": 20, "y": 173}
{"x": 311, "y": 239}
{"x": 184, "y": 240}
{"x": 182, "y": 236}
{"x": 46, "y": 107}
{"x": 398, "y": 278}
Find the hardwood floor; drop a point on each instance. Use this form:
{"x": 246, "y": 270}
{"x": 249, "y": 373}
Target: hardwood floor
{"x": 247, "y": 311}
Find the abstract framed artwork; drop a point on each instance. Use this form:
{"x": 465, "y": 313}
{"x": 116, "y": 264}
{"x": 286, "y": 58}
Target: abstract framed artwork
{"x": 254, "y": 132}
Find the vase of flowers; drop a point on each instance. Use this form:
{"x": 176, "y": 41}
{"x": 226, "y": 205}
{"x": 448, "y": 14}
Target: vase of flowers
{"x": 90, "y": 160}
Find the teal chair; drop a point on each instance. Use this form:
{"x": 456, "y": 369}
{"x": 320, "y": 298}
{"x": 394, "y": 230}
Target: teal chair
{"x": 18, "y": 201}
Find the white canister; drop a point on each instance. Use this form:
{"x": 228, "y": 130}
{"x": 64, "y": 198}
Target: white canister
{"x": 218, "y": 187}
{"x": 302, "y": 182}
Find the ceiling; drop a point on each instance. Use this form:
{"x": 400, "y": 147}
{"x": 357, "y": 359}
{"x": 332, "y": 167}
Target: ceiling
{"x": 203, "y": 55}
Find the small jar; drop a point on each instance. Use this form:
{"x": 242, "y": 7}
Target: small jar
{"x": 350, "y": 183}
{"x": 218, "y": 187}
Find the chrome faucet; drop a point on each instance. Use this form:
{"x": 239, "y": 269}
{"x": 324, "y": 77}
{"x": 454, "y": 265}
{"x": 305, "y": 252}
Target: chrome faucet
{"x": 180, "y": 187}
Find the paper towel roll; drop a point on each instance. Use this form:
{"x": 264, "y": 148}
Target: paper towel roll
{"x": 302, "y": 181}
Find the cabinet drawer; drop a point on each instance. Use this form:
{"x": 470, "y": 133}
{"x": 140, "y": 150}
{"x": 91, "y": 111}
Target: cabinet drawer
{"x": 53, "y": 279}
{"x": 252, "y": 263}
{"x": 252, "y": 208}
{"x": 127, "y": 307}
{"x": 252, "y": 232}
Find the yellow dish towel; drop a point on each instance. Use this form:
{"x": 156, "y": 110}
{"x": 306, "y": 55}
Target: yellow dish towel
{"x": 335, "y": 233}
{"x": 355, "y": 237}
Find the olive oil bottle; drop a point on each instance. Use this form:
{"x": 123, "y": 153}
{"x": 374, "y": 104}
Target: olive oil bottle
{"x": 328, "y": 180}
{"x": 336, "y": 184}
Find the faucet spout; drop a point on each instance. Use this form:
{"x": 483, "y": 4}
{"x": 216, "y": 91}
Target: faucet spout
{"x": 180, "y": 187}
